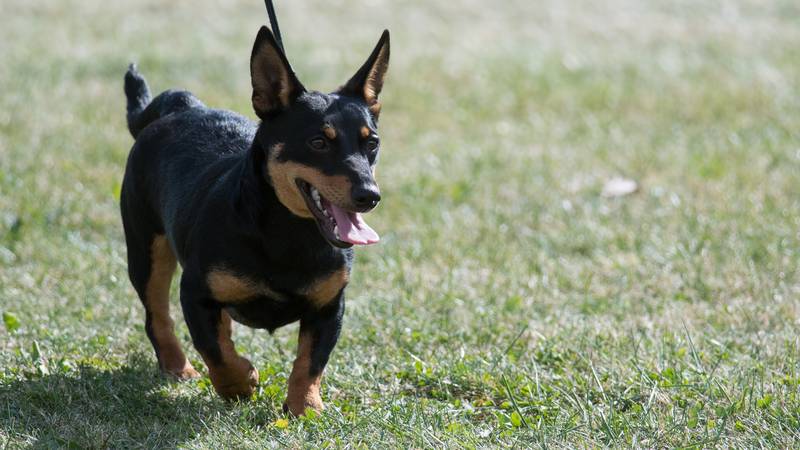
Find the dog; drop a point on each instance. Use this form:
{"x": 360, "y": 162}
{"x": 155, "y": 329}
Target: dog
{"x": 262, "y": 217}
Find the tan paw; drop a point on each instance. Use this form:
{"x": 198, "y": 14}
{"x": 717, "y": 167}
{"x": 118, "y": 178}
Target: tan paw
{"x": 297, "y": 405}
{"x": 235, "y": 381}
{"x": 184, "y": 373}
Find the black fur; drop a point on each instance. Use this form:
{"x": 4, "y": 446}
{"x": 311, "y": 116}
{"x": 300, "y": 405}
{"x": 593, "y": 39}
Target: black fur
{"x": 199, "y": 177}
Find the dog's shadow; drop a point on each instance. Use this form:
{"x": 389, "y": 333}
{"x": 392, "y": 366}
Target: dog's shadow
{"x": 131, "y": 406}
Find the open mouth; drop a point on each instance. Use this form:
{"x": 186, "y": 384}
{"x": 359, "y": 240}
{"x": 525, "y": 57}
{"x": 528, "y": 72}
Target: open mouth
{"x": 340, "y": 227}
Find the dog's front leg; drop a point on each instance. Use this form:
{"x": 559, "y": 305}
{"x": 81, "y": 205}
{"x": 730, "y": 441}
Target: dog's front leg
{"x": 319, "y": 332}
{"x": 233, "y": 376}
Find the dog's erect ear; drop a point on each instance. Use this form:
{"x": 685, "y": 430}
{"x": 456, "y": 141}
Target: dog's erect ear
{"x": 368, "y": 81}
{"x": 275, "y": 85}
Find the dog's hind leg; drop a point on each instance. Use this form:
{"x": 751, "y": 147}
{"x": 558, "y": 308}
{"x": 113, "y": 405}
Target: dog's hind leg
{"x": 151, "y": 264}
{"x": 159, "y": 324}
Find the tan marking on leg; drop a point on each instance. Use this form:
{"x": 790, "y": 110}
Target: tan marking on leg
{"x": 170, "y": 355}
{"x": 235, "y": 377}
{"x": 329, "y": 131}
{"x": 304, "y": 389}
{"x": 283, "y": 176}
{"x": 324, "y": 290}
{"x": 364, "y": 132}
{"x": 227, "y": 287}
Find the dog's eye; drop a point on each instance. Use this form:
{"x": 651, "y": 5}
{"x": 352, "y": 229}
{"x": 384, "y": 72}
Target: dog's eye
{"x": 372, "y": 145}
{"x": 318, "y": 143}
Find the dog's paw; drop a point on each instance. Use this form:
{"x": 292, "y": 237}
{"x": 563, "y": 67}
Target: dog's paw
{"x": 236, "y": 381}
{"x": 179, "y": 368}
{"x": 184, "y": 373}
{"x": 297, "y": 406}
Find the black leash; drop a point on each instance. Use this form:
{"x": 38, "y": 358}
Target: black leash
{"x": 273, "y": 23}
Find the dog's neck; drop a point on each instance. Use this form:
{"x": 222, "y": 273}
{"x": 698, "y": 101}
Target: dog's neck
{"x": 256, "y": 192}
{"x": 257, "y": 201}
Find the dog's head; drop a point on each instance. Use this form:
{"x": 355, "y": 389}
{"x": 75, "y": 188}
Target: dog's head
{"x": 321, "y": 149}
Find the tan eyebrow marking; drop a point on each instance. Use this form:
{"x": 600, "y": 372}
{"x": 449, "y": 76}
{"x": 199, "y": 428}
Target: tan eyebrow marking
{"x": 329, "y": 131}
{"x": 364, "y": 132}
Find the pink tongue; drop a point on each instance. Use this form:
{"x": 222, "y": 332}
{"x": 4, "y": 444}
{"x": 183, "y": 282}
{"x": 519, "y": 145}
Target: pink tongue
{"x": 352, "y": 227}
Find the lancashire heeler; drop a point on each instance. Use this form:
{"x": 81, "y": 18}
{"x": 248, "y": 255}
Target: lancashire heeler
{"x": 261, "y": 217}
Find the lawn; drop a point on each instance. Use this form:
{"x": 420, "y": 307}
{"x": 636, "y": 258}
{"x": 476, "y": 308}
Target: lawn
{"x": 510, "y": 303}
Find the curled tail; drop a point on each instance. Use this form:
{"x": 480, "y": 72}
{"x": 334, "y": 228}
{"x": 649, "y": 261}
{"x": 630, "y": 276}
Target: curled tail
{"x": 138, "y": 94}
{"x": 142, "y": 111}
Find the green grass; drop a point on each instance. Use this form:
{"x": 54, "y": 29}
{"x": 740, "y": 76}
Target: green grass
{"x": 510, "y": 304}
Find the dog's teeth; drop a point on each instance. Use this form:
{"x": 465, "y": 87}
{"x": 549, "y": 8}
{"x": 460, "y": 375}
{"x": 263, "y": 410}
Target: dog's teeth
{"x": 315, "y": 196}
{"x": 336, "y": 231}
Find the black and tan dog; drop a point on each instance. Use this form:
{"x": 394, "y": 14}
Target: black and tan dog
{"x": 261, "y": 217}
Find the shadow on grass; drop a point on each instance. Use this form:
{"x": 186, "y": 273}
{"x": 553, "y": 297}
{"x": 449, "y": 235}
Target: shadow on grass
{"x": 125, "y": 407}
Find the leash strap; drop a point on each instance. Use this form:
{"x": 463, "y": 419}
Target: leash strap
{"x": 273, "y": 23}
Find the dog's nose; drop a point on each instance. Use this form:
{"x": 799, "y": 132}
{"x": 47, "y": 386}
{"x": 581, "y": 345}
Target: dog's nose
{"x": 367, "y": 197}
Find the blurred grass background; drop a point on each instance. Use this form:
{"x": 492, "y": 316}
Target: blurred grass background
{"x": 510, "y": 303}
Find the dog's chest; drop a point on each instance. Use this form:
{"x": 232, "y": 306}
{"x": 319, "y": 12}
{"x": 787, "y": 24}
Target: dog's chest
{"x": 228, "y": 287}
